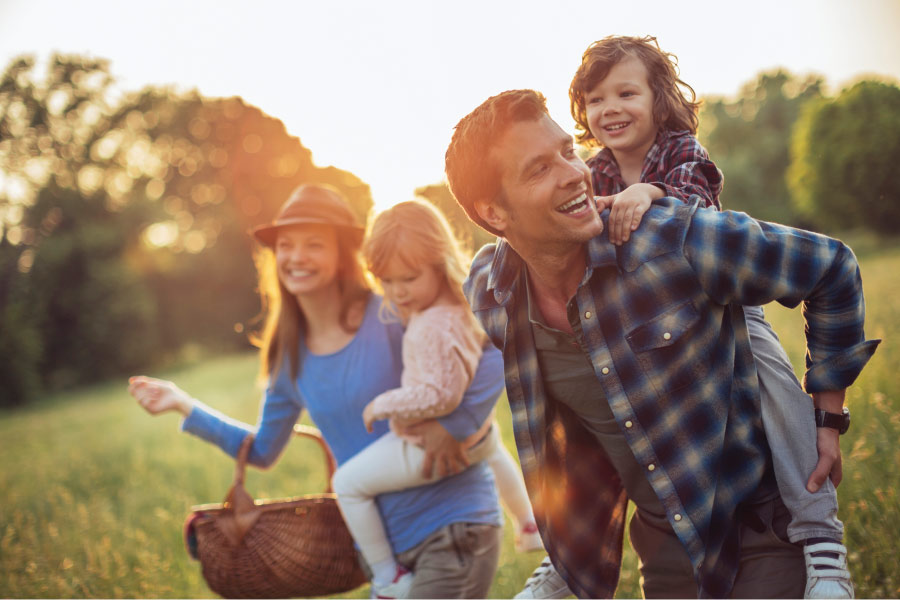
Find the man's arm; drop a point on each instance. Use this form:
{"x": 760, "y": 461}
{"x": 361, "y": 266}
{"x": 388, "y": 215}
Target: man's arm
{"x": 740, "y": 260}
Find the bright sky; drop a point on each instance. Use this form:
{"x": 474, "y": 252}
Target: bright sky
{"x": 375, "y": 87}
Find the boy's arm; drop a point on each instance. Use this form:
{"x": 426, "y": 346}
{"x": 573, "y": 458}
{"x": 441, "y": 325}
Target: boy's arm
{"x": 627, "y": 208}
{"x": 689, "y": 172}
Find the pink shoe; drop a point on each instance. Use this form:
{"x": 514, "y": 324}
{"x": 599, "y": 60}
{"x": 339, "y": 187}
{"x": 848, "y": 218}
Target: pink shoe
{"x": 398, "y": 588}
{"x": 529, "y": 539}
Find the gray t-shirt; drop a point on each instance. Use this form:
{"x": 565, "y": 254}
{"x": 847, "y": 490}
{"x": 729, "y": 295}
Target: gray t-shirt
{"x": 569, "y": 378}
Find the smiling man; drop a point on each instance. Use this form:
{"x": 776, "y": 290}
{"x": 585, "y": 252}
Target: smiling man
{"x": 628, "y": 369}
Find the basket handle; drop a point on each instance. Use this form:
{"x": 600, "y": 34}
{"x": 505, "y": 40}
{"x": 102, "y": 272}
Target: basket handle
{"x": 240, "y": 504}
{"x": 315, "y": 434}
{"x": 301, "y": 431}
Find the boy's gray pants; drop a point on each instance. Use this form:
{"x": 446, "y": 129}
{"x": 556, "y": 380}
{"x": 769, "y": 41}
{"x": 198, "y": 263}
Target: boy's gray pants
{"x": 787, "y": 415}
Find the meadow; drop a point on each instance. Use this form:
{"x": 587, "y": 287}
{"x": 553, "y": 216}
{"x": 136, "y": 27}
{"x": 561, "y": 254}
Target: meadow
{"x": 94, "y": 491}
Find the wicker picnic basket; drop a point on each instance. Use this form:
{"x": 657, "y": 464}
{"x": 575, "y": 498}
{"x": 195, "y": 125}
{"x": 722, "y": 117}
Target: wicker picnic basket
{"x": 284, "y": 548}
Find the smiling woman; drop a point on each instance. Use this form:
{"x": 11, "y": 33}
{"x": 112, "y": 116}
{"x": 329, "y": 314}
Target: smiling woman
{"x": 325, "y": 349}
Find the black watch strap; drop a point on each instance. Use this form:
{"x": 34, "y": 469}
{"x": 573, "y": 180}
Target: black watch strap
{"x": 841, "y": 421}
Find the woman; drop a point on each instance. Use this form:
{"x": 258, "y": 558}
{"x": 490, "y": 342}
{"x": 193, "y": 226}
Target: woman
{"x": 324, "y": 349}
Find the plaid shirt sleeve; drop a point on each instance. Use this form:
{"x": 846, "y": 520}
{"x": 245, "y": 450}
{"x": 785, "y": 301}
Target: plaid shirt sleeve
{"x": 686, "y": 171}
{"x": 738, "y": 259}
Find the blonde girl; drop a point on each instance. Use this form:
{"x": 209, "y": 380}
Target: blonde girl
{"x": 413, "y": 253}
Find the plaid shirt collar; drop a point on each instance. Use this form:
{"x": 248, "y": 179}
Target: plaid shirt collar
{"x": 507, "y": 266}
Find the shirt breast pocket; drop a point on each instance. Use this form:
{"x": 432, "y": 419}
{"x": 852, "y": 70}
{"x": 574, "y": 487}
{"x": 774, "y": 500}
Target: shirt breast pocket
{"x": 669, "y": 350}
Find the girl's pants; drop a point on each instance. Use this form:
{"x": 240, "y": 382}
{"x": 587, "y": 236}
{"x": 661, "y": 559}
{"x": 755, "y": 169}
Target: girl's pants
{"x": 389, "y": 464}
{"x": 787, "y": 415}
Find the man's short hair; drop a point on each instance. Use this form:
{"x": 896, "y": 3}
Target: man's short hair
{"x": 471, "y": 171}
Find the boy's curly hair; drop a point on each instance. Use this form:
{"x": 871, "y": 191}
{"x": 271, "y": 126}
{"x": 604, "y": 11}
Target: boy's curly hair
{"x": 675, "y": 104}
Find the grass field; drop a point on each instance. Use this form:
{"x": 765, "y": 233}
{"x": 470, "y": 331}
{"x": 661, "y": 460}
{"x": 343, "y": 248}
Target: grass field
{"x": 94, "y": 492}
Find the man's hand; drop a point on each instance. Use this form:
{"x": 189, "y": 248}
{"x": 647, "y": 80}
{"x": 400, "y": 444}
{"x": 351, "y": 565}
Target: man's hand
{"x": 828, "y": 443}
{"x": 627, "y": 208}
{"x": 442, "y": 450}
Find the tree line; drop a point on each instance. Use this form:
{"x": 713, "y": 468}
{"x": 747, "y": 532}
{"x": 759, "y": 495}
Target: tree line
{"x": 124, "y": 216}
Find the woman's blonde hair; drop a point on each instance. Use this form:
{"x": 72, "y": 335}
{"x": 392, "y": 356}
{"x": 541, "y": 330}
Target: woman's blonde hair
{"x": 284, "y": 322}
{"x": 417, "y": 234}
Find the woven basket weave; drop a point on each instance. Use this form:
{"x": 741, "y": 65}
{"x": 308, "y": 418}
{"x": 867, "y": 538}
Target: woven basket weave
{"x": 286, "y": 548}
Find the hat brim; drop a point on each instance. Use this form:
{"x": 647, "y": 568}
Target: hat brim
{"x": 267, "y": 234}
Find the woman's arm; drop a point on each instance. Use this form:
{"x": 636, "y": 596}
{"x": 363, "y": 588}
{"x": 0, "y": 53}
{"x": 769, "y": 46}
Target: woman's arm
{"x": 280, "y": 410}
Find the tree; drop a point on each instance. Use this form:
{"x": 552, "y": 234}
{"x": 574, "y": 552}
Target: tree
{"x": 845, "y": 154}
{"x": 472, "y": 236}
{"x": 749, "y": 139}
{"x": 124, "y": 219}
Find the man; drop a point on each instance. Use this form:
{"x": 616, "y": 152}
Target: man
{"x": 628, "y": 369}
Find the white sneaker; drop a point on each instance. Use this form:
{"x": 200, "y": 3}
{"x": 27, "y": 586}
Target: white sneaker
{"x": 398, "y": 588}
{"x": 529, "y": 539}
{"x": 831, "y": 579}
{"x": 545, "y": 582}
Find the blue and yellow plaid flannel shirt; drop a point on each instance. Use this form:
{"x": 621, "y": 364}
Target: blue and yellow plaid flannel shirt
{"x": 661, "y": 317}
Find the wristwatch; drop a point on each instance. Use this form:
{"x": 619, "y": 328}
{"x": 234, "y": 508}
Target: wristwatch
{"x": 841, "y": 422}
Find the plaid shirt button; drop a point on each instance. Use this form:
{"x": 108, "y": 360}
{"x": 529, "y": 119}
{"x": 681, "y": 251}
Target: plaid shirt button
{"x": 667, "y": 336}
{"x": 652, "y": 467}
{"x": 605, "y": 370}
{"x": 587, "y": 314}
{"x": 677, "y": 517}
{"x": 628, "y": 424}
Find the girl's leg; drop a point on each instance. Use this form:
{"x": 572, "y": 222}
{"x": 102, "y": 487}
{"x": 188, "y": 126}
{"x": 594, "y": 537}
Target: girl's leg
{"x": 512, "y": 490}
{"x": 388, "y": 464}
{"x": 787, "y": 415}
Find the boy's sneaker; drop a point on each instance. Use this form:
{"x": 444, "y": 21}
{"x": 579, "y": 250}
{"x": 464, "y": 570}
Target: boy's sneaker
{"x": 545, "y": 582}
{"x": 529, "y": 539}
{"x": 826, "y": 571}
{"x": 398, "y": 588}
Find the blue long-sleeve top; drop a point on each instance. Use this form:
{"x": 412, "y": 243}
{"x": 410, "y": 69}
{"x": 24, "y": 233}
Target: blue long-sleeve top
{"x": 335, "y": 388}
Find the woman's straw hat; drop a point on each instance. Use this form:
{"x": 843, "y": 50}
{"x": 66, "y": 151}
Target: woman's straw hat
{"x": 312, "y": 203}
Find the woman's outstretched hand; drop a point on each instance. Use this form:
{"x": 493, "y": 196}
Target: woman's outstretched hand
{"x": 158, "y": 396}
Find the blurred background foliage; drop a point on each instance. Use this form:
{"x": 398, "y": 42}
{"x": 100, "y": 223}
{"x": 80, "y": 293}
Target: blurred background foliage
{"x": 123, "y": 221}
{"x": 124, "y": 215}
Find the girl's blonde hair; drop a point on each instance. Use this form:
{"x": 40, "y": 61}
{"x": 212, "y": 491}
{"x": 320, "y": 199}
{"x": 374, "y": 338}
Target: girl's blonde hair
{"x": 417, "y": 234}
{"x": 284, "y": 322}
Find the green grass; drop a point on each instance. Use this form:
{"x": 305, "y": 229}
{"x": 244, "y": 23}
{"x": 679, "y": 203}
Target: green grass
{"x": 95, "y": 491}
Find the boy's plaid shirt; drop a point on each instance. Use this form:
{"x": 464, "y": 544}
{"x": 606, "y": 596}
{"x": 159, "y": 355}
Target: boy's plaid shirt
{"x": 672, "y": 354}
{"x": 676, "y": 162}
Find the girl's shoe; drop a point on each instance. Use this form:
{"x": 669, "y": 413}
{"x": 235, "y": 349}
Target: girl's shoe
{"x": 398, "y": 588}
{"x": 529, "y": 539}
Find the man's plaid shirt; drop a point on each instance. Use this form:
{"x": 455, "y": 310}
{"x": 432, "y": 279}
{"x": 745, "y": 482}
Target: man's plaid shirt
{"x": 672, "y": 354}
{"x": 676, "y": 162}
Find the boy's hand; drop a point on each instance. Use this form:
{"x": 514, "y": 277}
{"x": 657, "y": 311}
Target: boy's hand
{"x": 369, "y": 415}
{"x": 627, "y": 208}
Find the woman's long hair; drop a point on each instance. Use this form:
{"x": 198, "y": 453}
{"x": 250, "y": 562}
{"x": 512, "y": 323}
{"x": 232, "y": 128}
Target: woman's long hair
{"x": 285, "y": 323}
